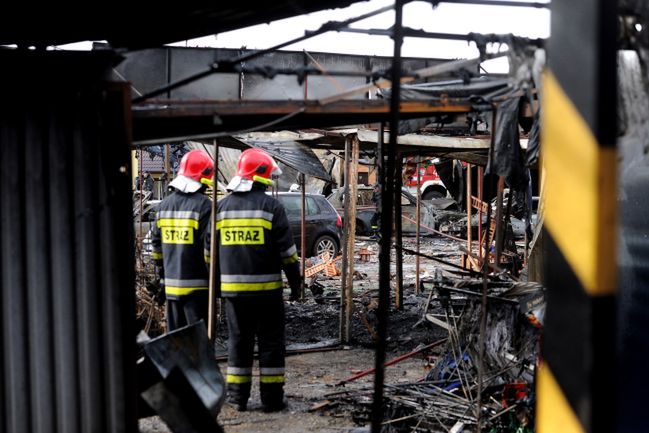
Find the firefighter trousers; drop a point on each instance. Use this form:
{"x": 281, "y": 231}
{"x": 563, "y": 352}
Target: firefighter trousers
{"x": 247, "y": 318}
{"x": 187, "y": 310}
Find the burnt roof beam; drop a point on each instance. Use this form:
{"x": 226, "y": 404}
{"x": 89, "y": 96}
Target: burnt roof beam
{"x": 469, "y": 37}
{"x": 327, "y": 27}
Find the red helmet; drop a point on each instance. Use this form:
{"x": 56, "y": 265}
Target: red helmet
{"x": 254, "y": 165}
{"x": 197, "y": 164}
{"x": 196, "y": 170}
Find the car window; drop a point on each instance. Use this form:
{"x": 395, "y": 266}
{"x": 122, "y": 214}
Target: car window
{"x": 312, "y": 207}
{"x": 293, "y": 205}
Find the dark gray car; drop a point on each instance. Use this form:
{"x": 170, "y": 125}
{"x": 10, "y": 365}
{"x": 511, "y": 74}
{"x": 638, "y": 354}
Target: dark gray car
{"x": 323, "y": 224}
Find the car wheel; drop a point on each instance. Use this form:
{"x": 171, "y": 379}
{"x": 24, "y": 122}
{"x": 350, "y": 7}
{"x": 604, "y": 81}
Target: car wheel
{"x": 324, "y": 244}
{"x": 431, "y": 194}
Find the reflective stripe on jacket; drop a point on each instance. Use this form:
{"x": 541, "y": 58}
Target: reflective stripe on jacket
{"x": 178, "y": 240}
{"x": 255, "y": 244}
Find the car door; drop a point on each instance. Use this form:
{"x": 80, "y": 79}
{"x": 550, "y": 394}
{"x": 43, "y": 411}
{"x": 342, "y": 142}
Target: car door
{"x": 292, "y": 205}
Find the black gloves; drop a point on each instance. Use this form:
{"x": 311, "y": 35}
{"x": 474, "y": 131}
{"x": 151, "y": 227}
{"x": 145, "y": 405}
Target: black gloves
{"x": 157, "y": 291}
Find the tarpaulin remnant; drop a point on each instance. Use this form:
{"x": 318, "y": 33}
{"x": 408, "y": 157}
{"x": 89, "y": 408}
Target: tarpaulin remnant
{"x": 181, "y": 381}
{"x": 534, "y": 142}
{"x": 506, "y": 158}
{"x": 295, "y": 155}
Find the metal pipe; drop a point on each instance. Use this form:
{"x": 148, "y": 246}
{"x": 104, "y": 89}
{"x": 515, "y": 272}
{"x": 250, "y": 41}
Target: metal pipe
{"x": 469, "y": 37}
{"x": 480, "y": 197}
{"x": 417, "y": 259}
{"x": 302, "y": 233}
{"x": 214, "y": 283}
{"x": 345, "y": 326}
{"x": 398, "y": 228}
{"x": 469, "y": 228}
{"x": 386, "y": 224}
{"x": 392, "y": 362}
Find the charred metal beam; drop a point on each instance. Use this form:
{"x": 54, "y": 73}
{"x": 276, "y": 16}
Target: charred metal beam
{"x": 386, "y": 224}
{"x": 326, "y": 27}
{"x": 169, "y": 121}
{"x": 398, "y": 229}
{"x": 469, "y": 37}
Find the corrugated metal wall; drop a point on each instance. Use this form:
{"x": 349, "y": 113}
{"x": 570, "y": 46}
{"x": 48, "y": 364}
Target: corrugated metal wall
{"x": 66, "y": 265}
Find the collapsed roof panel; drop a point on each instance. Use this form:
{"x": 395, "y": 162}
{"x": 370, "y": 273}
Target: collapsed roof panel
{"x": 295, "y": 155}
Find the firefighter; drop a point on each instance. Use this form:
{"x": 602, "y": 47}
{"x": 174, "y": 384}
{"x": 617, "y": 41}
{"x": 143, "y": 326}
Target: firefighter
{"x": 178, "y": 239}
{"x": 255, "y": 244}
{"x": 376, "y": 218}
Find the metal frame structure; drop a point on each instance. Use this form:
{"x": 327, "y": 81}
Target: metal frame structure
{"x": 573, "y": 393}
{"x": 259, "y": 115}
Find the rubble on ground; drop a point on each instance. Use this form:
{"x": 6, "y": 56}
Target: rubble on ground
{"x": 448, "y": 305}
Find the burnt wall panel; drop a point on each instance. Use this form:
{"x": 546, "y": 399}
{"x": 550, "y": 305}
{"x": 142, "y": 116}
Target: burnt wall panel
{"x": 153, "y": 68}
{"x": 320, "y": 87}
{"x": 259, "y": 87}
{"x": 188, "y": 61}
{"x": 62, "y": 252}
{"x": 39, "y": 314}
{"x": 66, "y": 263}
{"x": 15, "y": 376}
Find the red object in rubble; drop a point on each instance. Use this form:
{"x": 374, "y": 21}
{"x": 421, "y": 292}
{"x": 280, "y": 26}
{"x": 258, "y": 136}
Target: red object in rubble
{"x": 513, "y": 392}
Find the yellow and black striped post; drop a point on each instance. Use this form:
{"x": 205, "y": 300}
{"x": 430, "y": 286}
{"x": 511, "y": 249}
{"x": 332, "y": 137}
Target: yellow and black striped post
{"x": 575, "y": 383}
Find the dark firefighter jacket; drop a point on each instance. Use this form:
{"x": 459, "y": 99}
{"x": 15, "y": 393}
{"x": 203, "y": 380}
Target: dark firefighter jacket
{"x": 255, "y": 244}
{"x": 178, "y": 238}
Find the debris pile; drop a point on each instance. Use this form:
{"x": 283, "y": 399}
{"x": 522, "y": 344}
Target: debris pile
{"x": 483, "y": 378}
{"x": 149, "y": 296}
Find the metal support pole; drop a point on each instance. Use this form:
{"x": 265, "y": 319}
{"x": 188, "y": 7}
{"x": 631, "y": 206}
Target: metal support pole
{"x": 140, "y": 189}
{"x": 418, "y": 218}
{"x": 214, "y": 282}
{"x": 398, "y": 228}
{"x": 499, "y": 219}
{"x": 483, "y": 323}
{"x": 302, "y": 233}
{"x": 167, "y": 176}
{"x": 386, "y": 224}
{"x": 380, "y": 167}
{"x": 352, "y": 146}
{"x": 480, "y": 197}
{"x": 469, "y": 228}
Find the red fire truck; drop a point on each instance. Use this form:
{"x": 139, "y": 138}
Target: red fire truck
{"x": 431, "y": 185}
